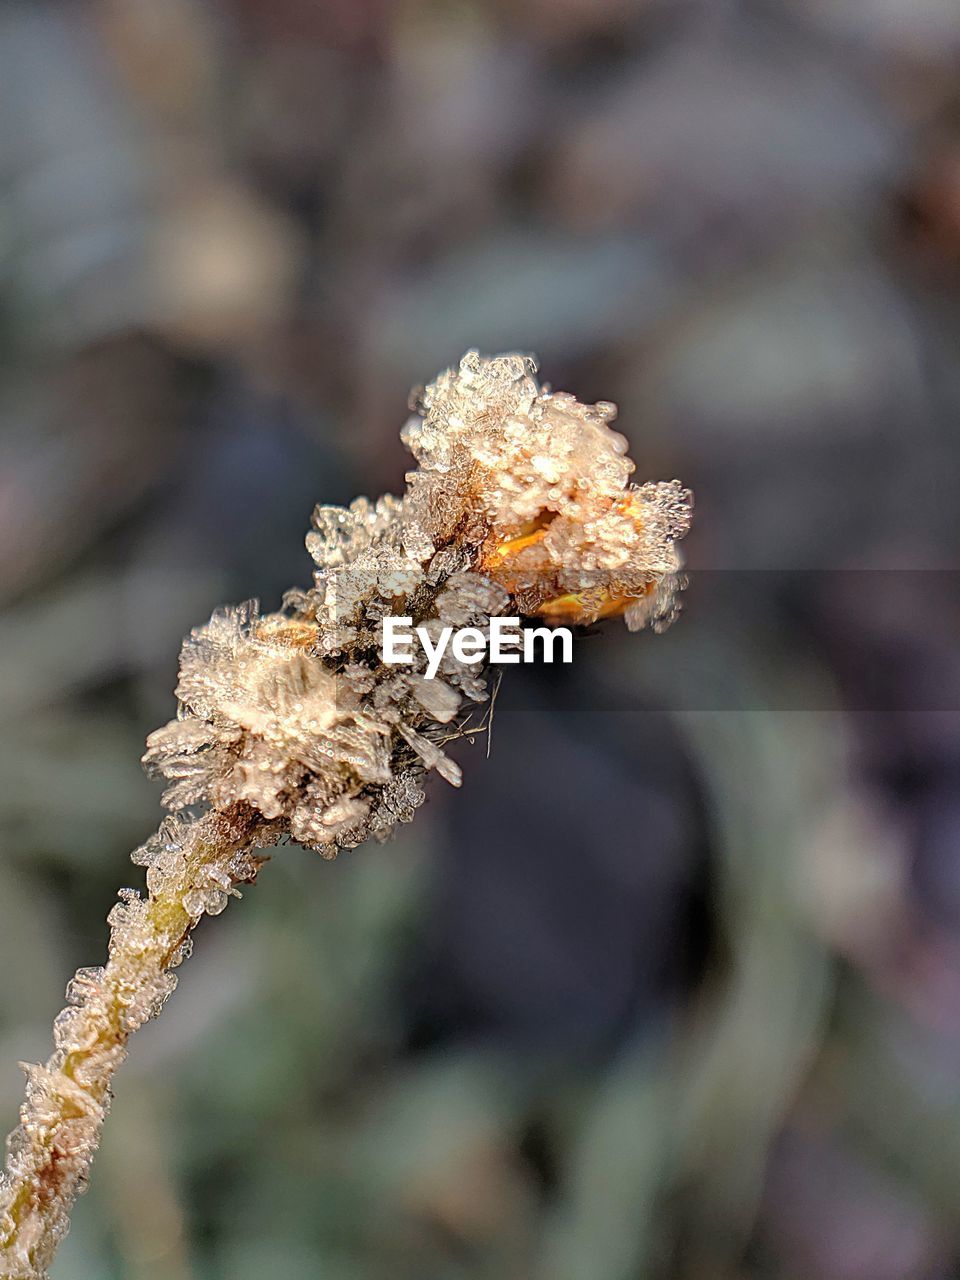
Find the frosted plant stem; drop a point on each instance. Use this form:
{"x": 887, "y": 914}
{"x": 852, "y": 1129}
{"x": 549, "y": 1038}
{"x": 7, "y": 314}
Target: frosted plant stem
{"x": 294, "y": 724}
{"x": 192, "y": 869}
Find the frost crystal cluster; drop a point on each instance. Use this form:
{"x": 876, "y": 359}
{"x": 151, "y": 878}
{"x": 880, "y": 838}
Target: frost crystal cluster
{"x": 291, "y": 724}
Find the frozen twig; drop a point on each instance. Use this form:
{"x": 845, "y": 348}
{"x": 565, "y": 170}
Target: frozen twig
{"x": 292, "y": 724}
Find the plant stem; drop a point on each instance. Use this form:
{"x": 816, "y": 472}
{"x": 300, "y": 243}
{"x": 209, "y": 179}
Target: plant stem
{"x": 49, "y": 1155}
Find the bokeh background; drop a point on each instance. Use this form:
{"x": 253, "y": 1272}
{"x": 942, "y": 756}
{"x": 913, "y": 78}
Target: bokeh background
{"x": 671, "y": 990}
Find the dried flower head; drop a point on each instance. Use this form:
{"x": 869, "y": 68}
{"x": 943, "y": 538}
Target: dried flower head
{"x": 291, "y": 724}
{"x": 520, "y": 502}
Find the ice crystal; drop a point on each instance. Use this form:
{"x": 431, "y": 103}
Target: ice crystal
{"x": 291, "y": 723}
{"x": 521, "y": 500}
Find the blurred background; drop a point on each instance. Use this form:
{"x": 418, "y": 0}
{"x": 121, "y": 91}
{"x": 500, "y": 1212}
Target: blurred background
{"x": 671, "y": 990}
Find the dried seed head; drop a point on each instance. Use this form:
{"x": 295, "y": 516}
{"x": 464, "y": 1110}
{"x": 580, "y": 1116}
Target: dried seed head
{"x": 521, "y": 502}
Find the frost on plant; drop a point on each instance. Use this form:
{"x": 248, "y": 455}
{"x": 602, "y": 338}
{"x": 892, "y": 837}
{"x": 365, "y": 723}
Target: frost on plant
{"x": 290, "y": 724}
